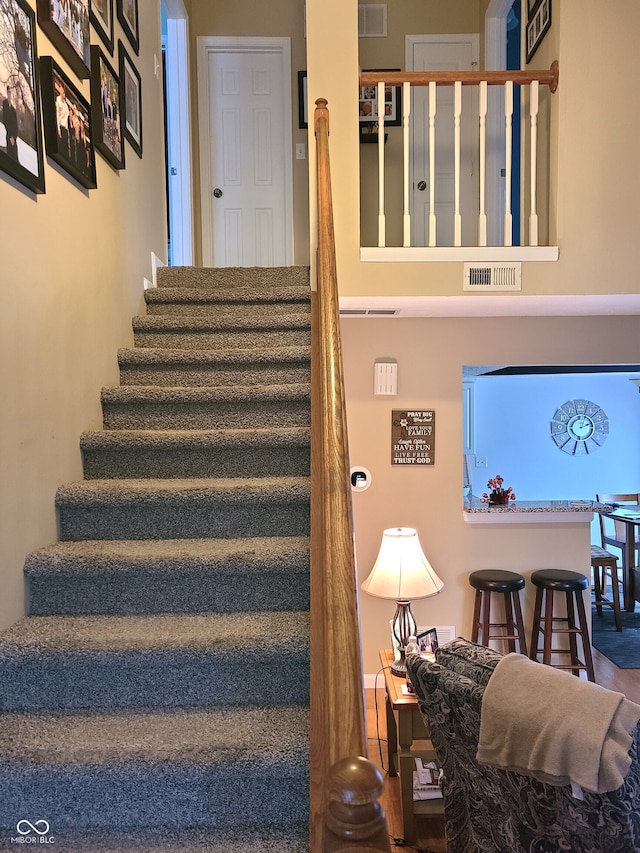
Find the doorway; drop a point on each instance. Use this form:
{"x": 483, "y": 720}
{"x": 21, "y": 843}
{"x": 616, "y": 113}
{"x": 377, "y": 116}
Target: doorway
{"x": 177, "y": 108}
{"x": 244, "y": 99}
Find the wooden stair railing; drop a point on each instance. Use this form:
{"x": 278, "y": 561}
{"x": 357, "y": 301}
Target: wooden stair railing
{"x": 344, "y": 811}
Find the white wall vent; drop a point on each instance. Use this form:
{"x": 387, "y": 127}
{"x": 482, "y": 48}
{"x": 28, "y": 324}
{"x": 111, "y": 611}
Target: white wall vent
{"x": 492, "y": 276}
{"x": 372, "y": 20}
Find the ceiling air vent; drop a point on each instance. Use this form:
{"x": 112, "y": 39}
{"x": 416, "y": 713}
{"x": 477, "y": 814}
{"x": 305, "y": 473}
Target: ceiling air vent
{"x": 487, "y": 277}
{"x": 372, "y": 20}
{"x": 368, "y": 312}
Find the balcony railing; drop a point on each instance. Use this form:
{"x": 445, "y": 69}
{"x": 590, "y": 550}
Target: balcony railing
{"x": 462, "y": 160}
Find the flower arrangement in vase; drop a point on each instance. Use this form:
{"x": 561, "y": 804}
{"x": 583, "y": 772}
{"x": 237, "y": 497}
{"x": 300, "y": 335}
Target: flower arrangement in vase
{"x": 498, "y": 495}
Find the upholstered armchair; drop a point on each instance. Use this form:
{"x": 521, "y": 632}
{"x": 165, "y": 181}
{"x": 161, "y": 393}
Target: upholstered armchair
{"x": 491, "y": 810}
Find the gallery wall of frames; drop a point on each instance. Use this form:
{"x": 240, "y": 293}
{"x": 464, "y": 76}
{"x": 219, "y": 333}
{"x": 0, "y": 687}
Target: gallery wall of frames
{"x": 42, "y": 108}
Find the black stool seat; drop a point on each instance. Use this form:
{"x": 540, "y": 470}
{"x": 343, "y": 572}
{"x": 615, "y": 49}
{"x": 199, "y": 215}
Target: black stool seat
{"x": 506, "y": 584}
{"x": 569, "y": 587}
{"x": 559, "y": 580}
{"x": 496, "y": 580}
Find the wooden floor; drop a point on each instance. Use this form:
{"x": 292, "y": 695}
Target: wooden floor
{"x": 431, "y": 830}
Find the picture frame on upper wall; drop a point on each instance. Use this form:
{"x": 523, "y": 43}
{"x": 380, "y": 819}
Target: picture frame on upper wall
{"x": 537, "y": 27}
{"x": 127, "y": 11}
{"x": 303, "y": 108}
{"x": 532, "y": 5}
{"x": 67, "y": 124}
{"x": 130, "y": 99}
{"x": 102, "y": 20}
{"x": 368, "y": 102}
{"x": 106, "y": 109}
{"x": 68, "y": 27}
{"x": 21, "y": 155}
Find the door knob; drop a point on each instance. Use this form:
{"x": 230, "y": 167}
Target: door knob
{"x": 422, "y": 185}
{"x": 217, "y": 193}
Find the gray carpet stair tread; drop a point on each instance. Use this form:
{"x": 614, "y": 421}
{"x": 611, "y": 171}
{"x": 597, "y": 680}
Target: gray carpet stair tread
{"x": 210, "y": 394}
{"x": 285, "y": 295}
{"x": 211, "y": 323}
{"x": 232, "y": 632}
{"x": 240, "y": 355}
{"x": 245, "y": 840}
{"x": 172, "y": 556}
{"x": 271, "y": 735}
{"x": 262, "y": 490}
{"x": 252, "y": 279}
{"x": 197, "y": 439}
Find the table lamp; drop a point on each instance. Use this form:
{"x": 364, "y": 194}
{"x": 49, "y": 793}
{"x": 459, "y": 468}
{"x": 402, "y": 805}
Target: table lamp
{"x": 401, "y": 572}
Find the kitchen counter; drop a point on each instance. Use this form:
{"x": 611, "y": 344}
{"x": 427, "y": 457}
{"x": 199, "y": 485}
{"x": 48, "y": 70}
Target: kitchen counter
{"x": 531, "y": 512}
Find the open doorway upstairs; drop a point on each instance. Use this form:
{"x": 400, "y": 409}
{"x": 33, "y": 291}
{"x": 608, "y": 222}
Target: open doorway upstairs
{"x": 175, "y": 56}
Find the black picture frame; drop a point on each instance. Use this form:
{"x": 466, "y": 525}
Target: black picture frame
{"x": 532, "y": 5}
{"x": 69, "y": 30}
{"x": 537, "y": 27}
{"x": 68, "y": 138}
{"x": 106, "y": 111}
{"x": 303, "y": 109}
{"x": 127, "y": 11}
{"x": 130, "y": 99}
{"x": 427, "y": 641}
{"x": 102, "y": 20}
{"x": 368, "y": 102}
{"x": 21, "y": 154}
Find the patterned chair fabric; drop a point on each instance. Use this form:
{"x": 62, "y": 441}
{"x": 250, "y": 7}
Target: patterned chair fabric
{"x": 489, "y": 810}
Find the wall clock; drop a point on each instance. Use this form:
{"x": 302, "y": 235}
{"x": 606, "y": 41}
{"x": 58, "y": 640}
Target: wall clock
{"x": 579, "y": 427}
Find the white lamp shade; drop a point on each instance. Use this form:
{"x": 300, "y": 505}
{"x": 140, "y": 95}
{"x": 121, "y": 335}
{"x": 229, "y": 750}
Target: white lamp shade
{"x": 401, "y": 571}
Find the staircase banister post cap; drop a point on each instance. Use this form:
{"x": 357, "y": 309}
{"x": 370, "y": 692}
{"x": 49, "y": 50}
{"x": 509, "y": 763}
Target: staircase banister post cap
{"x": 355, "y": 780}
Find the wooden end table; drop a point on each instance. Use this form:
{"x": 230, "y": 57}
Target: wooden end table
{"x": 407, "y": 739}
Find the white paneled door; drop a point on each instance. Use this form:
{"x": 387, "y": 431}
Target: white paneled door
{"x": 245, "y": 141}
{"x": 443, "y": 53}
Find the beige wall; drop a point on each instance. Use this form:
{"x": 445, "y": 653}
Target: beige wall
{"x": 281, "y": 18}
{"x": 430, "y": 355}
{"x": 73, "y": 263}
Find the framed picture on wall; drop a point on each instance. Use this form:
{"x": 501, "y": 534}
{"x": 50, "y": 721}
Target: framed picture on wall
{"x": 538, "y": 27}
{"x": 127, "y": 11}
{"x": 303, "y": 102}
{"x": 68, "y": 27}
{"x": 67, "y": 124}
{"x": 21, "y": 154}
{"x": 131, "y": 100}
{"x": 368, "y": 102}
{"x": 106, "y": 112}
{"x": 102, "y": 20}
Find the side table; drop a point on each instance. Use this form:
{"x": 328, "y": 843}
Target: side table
{"x": 407, "y": 739}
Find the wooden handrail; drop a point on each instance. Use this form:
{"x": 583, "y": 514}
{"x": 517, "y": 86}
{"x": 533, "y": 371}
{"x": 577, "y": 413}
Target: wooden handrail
{"x": 344, "y": 785}
{"x": 467, "y": 78}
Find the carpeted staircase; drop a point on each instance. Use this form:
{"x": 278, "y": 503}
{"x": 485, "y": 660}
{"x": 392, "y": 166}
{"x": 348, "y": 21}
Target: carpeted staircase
{"x": 156, "y": 696}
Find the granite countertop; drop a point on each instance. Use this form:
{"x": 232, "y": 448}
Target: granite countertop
{"x": 533, "y": 511}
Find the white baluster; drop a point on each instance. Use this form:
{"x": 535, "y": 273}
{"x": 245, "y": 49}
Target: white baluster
{"x": 457, "y": 110}
{"x": 508, "y": 124}
{"x": 482, "y": 115}
{"x": 432, "y": 164}
{"x": 406, "y": 112}
{"x": 533, "y": 114}
{"x": 382, "y": 231}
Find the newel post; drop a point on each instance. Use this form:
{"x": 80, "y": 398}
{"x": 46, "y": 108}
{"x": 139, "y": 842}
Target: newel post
{"x": 354, "y": 819}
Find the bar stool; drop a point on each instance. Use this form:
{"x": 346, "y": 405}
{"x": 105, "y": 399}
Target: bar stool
{"x": 572, "y": 584}
{"x": 485, "y": 582}
{"x": 605, "y": 564}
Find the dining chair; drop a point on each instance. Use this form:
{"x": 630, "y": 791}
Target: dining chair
{"x": 614, "y": 532}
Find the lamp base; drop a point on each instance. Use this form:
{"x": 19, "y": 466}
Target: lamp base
{"x": 399, "y": 668}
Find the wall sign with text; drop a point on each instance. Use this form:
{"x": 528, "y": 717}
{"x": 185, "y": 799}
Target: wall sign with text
{"x": 413, "y": 437}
